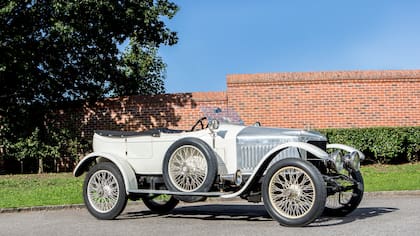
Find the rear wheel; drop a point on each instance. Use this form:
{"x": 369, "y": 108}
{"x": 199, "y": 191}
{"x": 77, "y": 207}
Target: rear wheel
{"x": 294, "y": 192}
{"x": 104, "y": 191}
{"x": 160, "y": 203}
{"x": 343, "y": 203}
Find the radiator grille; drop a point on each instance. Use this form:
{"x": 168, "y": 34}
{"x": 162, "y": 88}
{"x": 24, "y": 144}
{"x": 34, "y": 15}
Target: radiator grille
{"x": 250, "y": 155}
{"x": 320, "y": 144}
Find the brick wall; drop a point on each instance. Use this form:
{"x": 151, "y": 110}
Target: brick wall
{"x": 136, "y": 113}
{"x": 296, "y": 100}
{"x": 328, "y": 99}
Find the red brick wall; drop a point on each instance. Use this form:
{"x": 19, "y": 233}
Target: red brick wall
{"x": 327, "y": 99}
{"x": 296, "y": 100}
{"x": 136, "y": 113}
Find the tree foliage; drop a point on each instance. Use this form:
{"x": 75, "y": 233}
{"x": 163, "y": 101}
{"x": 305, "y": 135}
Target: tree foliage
{"x": 61, "y": 50}
{"x": 55, "y": 51}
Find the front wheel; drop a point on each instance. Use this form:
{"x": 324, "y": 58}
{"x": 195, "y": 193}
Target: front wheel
{"x": 104, "y": 191}
{"x": 294, "y": 192}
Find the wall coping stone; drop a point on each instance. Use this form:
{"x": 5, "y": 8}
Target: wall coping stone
{"x": 323, "y": 77}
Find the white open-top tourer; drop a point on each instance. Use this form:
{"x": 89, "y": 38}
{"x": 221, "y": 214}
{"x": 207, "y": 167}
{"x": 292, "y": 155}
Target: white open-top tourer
{"x": 296, "y": 173}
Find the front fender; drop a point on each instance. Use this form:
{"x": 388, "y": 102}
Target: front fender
{"x": 346, "y": 148}
{"x": 265, "y": 161}
{"x": 127, "y": 172}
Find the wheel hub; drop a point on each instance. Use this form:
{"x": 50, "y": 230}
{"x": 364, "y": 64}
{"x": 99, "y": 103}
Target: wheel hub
{"x": 188, "y": 167}
{"x": 106, "y": 191}
{"x": 294, "y": 192}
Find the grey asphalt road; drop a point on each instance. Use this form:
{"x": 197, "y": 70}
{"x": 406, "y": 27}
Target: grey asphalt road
{"x": 377, "y": 215}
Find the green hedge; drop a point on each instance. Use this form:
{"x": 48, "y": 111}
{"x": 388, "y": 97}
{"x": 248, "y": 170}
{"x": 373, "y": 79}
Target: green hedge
{"x": 381, "y": 144}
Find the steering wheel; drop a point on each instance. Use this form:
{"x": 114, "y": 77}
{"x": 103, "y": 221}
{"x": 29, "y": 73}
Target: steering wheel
{"x": 200, "y": 121}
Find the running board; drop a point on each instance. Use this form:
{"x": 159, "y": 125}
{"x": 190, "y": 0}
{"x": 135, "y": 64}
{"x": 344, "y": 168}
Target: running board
{"x": 167, "y": 192}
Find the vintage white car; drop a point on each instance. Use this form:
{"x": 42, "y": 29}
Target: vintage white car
{"x": 295, "y": 173}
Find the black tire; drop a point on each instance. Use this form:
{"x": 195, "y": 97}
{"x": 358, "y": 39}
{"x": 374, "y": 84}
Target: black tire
{"x": 104, "y": 191}
{"x": 160, "y": 206}
{"x": 190, "y": 165}
{"x": 342, "y": 204}
{"x": 294, "y": 192}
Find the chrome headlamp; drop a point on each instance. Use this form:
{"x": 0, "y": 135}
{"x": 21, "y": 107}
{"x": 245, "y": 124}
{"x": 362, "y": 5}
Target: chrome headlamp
{"x": 337, "y": 159}
{"x": 352, "y": 161}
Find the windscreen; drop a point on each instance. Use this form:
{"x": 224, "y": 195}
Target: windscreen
{"x": 226, "y": 115}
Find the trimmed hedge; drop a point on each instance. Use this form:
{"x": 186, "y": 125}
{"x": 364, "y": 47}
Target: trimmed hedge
{"x": 380, "y": 144}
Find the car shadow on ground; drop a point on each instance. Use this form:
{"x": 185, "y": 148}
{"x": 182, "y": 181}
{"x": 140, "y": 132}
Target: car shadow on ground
{"x": 360, "y": 213}
{"x": 208, "y": 212}
{"x": 257, "y": 212}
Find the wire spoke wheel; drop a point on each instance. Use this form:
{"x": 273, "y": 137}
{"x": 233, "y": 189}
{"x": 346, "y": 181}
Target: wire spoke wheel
{"x": 103, "y": 191}
{"x": 188, "y": 168}
{"x": 292, "y": 192}
{"x": 189, "y": 165}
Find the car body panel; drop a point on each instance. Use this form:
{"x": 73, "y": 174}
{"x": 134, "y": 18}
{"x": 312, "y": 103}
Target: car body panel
{"x": 125, "y": 168}
{"x": 145, "y": 153}
{"x": 236, "y": 146}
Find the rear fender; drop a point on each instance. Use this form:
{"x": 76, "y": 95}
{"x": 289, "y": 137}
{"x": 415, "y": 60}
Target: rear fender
{"x": 127, "y": 172}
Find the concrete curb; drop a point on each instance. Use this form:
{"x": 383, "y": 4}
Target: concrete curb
{"x": 41, "y": 208}
{"x": 392, "y": 193}
{"x": 211, "y": 200}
